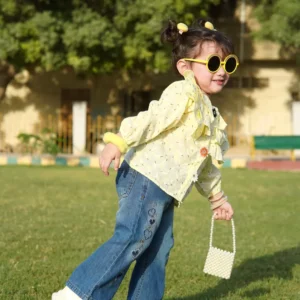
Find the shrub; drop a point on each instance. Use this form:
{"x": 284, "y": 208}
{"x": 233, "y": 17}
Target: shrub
{"x": 46, "y": 142}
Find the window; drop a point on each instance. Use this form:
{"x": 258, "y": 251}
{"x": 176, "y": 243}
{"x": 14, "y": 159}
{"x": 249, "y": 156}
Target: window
{"x": 135, "y": 102}
{"x": 68, "y": 96}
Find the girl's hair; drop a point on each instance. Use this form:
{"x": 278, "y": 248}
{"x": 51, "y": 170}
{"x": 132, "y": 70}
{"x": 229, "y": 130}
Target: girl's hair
{"x": 188, "y": 44}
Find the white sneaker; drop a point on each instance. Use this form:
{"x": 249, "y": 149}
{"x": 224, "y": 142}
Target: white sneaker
{"x": 65, "y": 294}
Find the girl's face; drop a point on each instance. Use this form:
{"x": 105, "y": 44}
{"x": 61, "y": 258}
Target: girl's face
{"x": 210, "y": 83}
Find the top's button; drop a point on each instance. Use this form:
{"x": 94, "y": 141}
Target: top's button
{"x": 214, "y": 112}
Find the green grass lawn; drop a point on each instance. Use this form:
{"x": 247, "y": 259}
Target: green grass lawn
{"x": 52, "y": 218}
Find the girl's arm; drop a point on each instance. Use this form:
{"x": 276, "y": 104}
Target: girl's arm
{"x": 160, "y": 116}
{"x": 209, "y": 181}
{"x": 209, "y": 185}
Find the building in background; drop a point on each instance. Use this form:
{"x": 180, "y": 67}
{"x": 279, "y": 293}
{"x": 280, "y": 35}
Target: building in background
{"x": 261, "y": 98}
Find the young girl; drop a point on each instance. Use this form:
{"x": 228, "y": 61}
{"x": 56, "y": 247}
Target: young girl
{"x": 169, "y": 148}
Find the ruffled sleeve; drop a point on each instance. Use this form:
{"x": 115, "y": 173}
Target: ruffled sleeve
{"x": 205, "y": 124}
{"x": 200, "y": 108}
{"x": 219, "y": 143}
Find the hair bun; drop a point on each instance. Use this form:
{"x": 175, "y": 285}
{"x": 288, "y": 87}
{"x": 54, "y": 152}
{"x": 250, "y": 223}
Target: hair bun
{"x": 170, "y": 34}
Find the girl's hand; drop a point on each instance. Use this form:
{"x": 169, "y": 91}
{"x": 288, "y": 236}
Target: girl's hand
{"x": 224, "y": 212}
{"x": 108, "y": 154}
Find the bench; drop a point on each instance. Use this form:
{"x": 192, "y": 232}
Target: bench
{"x": 275, "y": 142}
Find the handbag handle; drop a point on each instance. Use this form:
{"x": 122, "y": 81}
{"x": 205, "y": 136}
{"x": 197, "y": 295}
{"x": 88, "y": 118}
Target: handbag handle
{"x": 212, "y": 231}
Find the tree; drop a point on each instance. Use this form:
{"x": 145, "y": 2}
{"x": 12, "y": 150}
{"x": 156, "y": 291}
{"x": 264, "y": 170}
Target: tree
{"x": 280, "y": 22}
{"x": 91, "y": 36}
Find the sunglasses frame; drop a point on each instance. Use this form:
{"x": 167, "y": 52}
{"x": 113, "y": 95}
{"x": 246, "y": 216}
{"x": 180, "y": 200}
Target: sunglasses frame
{"x": 222, "y": 63}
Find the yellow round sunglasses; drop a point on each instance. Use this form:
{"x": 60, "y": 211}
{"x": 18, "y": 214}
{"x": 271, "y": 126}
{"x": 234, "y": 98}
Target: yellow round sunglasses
{"x": 214, "y": 62}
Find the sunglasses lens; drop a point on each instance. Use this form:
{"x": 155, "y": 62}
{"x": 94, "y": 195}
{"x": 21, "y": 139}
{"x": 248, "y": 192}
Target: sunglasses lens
{"x": 230, "y": 65}
{"x": 214, "y": 63}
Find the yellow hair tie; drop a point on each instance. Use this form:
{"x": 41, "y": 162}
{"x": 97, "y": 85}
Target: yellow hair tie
{"x": 182, "y": 28}
{"x": 115, "y": 139}
{"x": 209, "y": 25}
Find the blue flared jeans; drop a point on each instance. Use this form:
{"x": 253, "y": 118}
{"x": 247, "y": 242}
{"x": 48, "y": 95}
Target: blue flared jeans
{"x": 143, "y": 233}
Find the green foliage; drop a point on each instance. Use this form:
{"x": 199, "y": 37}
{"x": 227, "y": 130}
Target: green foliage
{"x": 46, "y": 142}
{"x": 91, "y": 36}
{"x": 280, "y": 22}
{"x": 29, "y": 142}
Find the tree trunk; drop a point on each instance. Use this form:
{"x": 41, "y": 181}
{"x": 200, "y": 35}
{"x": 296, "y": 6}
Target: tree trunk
{"x": 7, "y": 73}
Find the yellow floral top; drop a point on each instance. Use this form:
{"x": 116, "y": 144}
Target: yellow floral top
{"x": 174, "y": 141}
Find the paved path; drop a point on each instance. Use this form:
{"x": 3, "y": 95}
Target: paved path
{"x": 276, "y": 165}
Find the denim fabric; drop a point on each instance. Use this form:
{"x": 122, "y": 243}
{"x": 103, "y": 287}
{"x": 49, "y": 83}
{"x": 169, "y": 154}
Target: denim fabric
{"x": 143, "y": 233}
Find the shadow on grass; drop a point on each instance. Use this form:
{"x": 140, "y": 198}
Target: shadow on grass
{"x": 279, "y": 264}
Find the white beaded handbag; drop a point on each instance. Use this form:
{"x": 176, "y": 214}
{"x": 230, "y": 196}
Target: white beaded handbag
{"x": 219, "y": 262}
